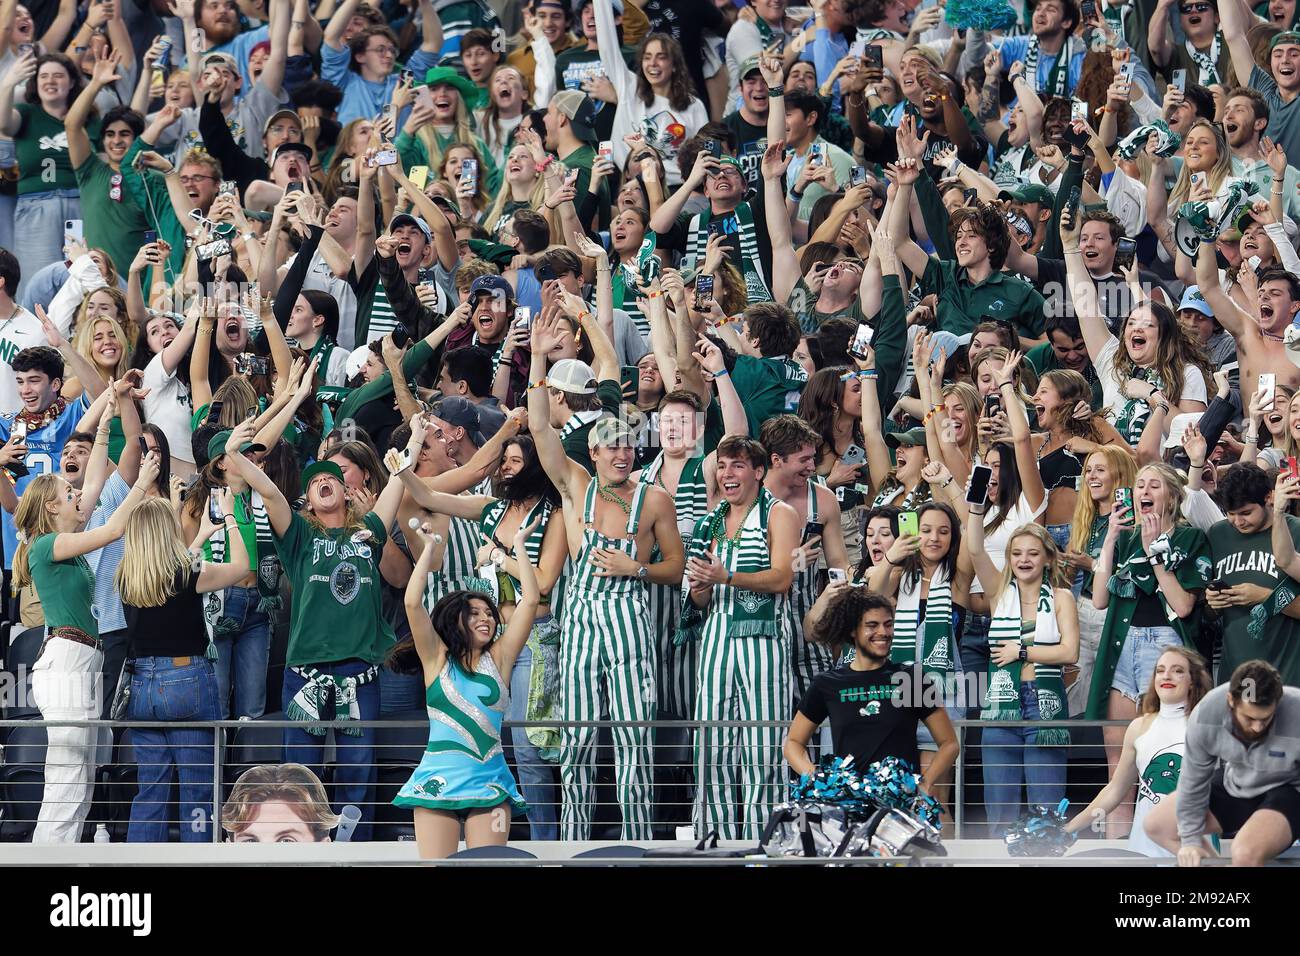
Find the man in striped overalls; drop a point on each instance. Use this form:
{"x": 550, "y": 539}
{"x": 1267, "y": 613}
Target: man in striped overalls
{"x": 739, "y": 575}
{"x": 791, "y": 445}
{"x": 607, "y": 648}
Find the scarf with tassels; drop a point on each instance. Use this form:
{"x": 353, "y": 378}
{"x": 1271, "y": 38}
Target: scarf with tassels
{"x": 743, "y": 238}
{"x": 1134, "y": 412}
{"x": 1003, "y": 699}
{"x": 309, "y": 703}
{"x": 1207, "y": 63}
{"x": 1058, "y": 77}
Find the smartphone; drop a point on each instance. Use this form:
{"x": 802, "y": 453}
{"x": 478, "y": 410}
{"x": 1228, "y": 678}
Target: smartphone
{"x": 858, "y": 176}
{"x": 408, "y": 77}
{"x": 813, "y": 529}
{"x": 1125, "y": 252}
{"x": 214, "y": 510}
{"x": 246, "y": 363}
{"x": 19, "y": 431}
{"x": 1197, "y": 178}
{"x": 1292, "y": 466}
{"x": 854, "y": 455}
{"x": 836, "y": 576}
{"x": 74, "y": 231}
{"x": 715, "y": 228}
{"x": 703, "y": 292}
{"x": 1089, "y": 9}
{"x": 1072, "y": 202}
{"x": 1127, "y": 70}
{"x": 424, "y": 97}
{"x": 150, "y": 237}
{"x": 385, "y": 157}
{"x": 713, "y": 148}
{"x": 908, "y": 523}
{"x": 523, "y": 317}
{"x": 469, "y": 170}
{"x": 227, "y": 188}
{"x": 629, "y": 376}
{"x": 1078, "y": 110}
{"x": 419, "y": 177}
{"x": 1180, "y": 81}
{"x": 1124, "y": 498}
{"x": 144, "y": 445}
{"x": 401, "y": 336}
{"x": 970, "y": 196}
{"x": 1254, "y": 262}
{"x": 545, "y": 272}
{"x": 861, "y": 340}
{"x": 1217, "y": 586}
{"x": 1268, "y": 386}
{"x": 605, "y": 150}
{"x": 25, "y": 48}
{"x": 210, "y": 250}
{"x": 873, "y": 56}
{"x": 992, "y": 405}
{"x": 815, "y": 157}
{"x": 978, "y": 492}
{"x": 295, "y": 186}
{"x": 214, "y": 411}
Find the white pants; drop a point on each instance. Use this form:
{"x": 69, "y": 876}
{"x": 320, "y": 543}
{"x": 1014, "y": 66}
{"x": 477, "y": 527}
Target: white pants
{"x": 1091, "y": 622}
{"x": 65, "y": 683}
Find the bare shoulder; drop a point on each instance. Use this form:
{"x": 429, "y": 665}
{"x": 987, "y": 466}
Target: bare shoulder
{"x": 826, "y": 501}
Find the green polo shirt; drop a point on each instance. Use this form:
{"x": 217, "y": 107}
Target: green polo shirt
{"x": 963, "y": 305}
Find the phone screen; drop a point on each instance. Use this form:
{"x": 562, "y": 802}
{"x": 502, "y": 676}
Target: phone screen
{"x": 812, "y": 529}
{"x": 978, "y": 492}
{"x": 703, "y": 291}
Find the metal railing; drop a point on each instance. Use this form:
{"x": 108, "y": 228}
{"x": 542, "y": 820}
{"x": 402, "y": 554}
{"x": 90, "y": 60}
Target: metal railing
{"x": 683, "y": 753}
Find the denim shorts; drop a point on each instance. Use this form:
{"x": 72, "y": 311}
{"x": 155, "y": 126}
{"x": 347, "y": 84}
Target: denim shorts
{"x": 1137, "y": 658}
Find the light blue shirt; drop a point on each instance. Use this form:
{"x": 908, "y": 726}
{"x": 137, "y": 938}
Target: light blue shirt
{"x": 1014, "y": 48}
{"x": 362, "y": 98}
{"x": 240, "y": 48}
{"x": 107, "y": 609}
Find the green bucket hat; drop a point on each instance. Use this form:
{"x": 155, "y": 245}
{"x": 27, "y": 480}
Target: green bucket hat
{"x": 445, "y": 74}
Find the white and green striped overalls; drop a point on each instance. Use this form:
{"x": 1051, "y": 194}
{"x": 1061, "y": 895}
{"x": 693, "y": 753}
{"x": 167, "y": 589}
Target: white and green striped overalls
{"x": 809, "y": 660}
{"x": 677, "y": 662}
{"x": 608, "y": 656}
{"x": 459, "y": 565}
{"x": 742, "y": 677}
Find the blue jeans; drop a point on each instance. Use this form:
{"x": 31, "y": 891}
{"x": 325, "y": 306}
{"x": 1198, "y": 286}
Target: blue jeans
{"x": 536, "y": 776}
{"x": 39, "y": 218}
{"x": 1137, "y": 658}
{"x": 1061, "y": 535}
{"x": 172, "y": 688}
{"x": 354, "y": 762}
{"x": 245, "y": 655}
{"x": 1012, "y": 760}
{"x": 400, "y": 693}
{"x": 974, "y": 646}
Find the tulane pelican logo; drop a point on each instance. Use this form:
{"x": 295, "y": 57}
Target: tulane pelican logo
{"x": 871, "y": 710}
{"x": 1161, "y": 775}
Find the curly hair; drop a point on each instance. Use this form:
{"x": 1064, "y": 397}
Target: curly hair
{"x": 843, "y": 615}
{"x": 1176, "y": 351}
{"x": 774, "y": 327}
{"x": 681, "y": 88}
{"x": 1094, "y": 83}
{"x": 989, "y": 225}
{"x": 1073, "y": 388}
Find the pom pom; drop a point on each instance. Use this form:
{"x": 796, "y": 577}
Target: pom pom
{"x": 886, "y": 784}
{"x": 980, "y": 14}
{"x": 1041, "y": 832}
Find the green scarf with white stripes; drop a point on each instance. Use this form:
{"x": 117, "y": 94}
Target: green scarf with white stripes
{"x": 1003, "y": 699}
{"x": 935, "y": 647}
{"x": 744, "y": 254}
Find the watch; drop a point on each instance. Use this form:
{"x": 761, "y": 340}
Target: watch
{"x": 498, "y": 557}
{"x": 643, "y": 573}
{"x": 1024, "y": 654}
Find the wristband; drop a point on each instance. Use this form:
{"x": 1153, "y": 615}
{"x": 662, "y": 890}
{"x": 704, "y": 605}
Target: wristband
{"x": 541, "y": 167}
{"x": 730, "y": 576}
{"x": 795, "y": 194}
{"x": 775, "y": 91}
{"x": 954, "y": 166}
{"x": 721, "y": 374}
{"x": 1024, "y": 654}
{"x": 541, "y": 384}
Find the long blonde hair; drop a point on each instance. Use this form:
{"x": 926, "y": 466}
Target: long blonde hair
{"x": 1175, "y": 481}
{"x": 153, "y": 556}
{"x": 1122, "y": 465}
{"x": 33, "y": 519}
{"x": 1221, "y": 170}
{"x": 965, "y": 394}
{"x": 83, "y": 340}
{"x": 463, "y": 132}
{"x": 1053, "y": 553}
{"x": 536, "y": 195}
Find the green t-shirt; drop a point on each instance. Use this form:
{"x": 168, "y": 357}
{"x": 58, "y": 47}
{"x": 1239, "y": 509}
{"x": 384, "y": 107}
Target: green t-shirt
{"x": 115, "y": 225}
{"x": 1043, "y": 359}
{"x": 768, "y": 387}
{"x": 751, "y": 141}
{"x": 962, "y": 306}
{"x": 66, "y": 588}
{"x": 42, "y": 145}
{"x": 610, "y": 394}
{"x": 810, "y": 320}
{"x": 337, "y": 611}
{"x": 1248, "y": 559}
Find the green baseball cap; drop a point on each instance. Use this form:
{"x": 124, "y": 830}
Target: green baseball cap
{"x": 321, "y": 468}
{"x": 913, "y": 437}
{"x": 1028, "y": 193}
{"x": 750, "y": 65}
{"x": 1285, "y": 37}
{"x": 217, "y": 444}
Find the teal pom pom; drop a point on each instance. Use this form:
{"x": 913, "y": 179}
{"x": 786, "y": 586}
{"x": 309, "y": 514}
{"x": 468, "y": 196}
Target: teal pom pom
{"x": 980, "y": 14}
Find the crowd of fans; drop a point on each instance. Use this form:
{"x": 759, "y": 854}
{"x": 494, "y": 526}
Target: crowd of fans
{"x": 609, "y": 359}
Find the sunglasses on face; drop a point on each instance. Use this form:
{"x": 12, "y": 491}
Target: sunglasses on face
{"x": 1190, "y": 8}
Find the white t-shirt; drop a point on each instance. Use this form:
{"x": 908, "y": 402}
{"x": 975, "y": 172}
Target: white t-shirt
{"x": 996, "y": 541}
{"x": 322, "y": 279}
{"x": 20, "y": 332}
{"x": 169, "y": 407}
{"x": 1113, "y": 396}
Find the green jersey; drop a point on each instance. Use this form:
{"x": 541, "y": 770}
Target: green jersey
{"x": 66, "y": 588}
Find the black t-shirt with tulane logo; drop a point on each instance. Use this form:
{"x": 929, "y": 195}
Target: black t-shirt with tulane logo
{"x": 873, "y": 714}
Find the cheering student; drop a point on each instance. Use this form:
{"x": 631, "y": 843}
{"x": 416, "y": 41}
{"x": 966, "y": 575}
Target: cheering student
{"x": 1154, "y": 747}
{"x": 1238, "y": 774}
{"x": 338, "y": 636}
{"x": 51, "y": 558}
{"x": 873, "y": 711}
{"x": 467, "y": 674}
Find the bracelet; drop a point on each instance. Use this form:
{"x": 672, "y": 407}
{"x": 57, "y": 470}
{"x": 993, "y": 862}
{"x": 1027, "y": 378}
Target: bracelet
{"x": 648, "y": 295}
{"x": 775, "y": 91}
{"x": 723, "y": 373}
{"x": 541, "y": 384}
{"x": 1192, "y": 464}
{"x": 890, "y": 562}
{"x": 1250, "y": 439}
{"x": 541, "y": 167}
{"x": 859, "y": 103}
{"x": 730, "y": 576}
{"x": 868, "y": 373}
{"x": 795, "y": 194}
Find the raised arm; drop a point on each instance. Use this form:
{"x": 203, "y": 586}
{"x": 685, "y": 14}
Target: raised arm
{"x": 1082, "y": 290}
{"x": 20, "y": 70}
{"x": 77, "y": 363}
{"x": 104, "y": 73}
{"x": 1228, "y": 314}
{"x": 277, "y": 508}
{"x": 785, "y": 264}
{"x": 272, "y": 77}
{"x": 338, "y": 23}
{"x": 550, "y": 450}
{"x": 427, "y": 643}
{"x": 69, "y": 545}
{"x": 665, "y": 217}
{"x": 1031, "y": 481}
{"x": 506, "y": 650}
{"x": 1286, "y": 490}
{"x": 734, "y": 419}
{"x": 1235, "y": 22}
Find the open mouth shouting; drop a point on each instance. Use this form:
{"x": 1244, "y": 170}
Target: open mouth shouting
{"x": 1265, "y": 311}
{"x": 234, "y": 330}
{"x": 1146, "y": 505}
{"x": 444, "y": 104}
